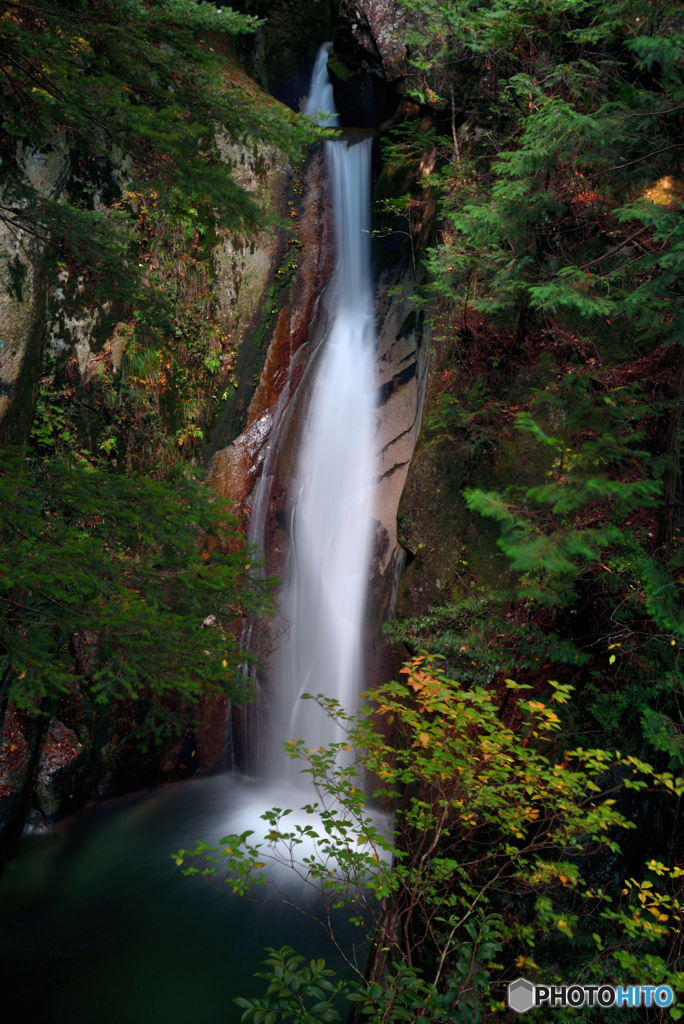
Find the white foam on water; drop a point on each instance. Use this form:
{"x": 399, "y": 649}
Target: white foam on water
{"x": 285, "y": 864}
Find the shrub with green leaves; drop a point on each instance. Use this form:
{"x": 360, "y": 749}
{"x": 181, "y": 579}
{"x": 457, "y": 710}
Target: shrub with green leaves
{"x": 490, "y": 836}
{"x": 601, "y": 474}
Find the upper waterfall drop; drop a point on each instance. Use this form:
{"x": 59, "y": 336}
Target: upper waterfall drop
{"x": 324, "y": 601}
{"x": 320, "y": 98}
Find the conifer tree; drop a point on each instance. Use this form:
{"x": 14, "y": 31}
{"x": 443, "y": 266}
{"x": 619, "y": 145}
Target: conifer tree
{"x": 561, "y": 190}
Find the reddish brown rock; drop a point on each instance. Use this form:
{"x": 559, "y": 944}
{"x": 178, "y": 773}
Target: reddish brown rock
{"x": 276, "y": 368}
{"x": 235, "y": 469}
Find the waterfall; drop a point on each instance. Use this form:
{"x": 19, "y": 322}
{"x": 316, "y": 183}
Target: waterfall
{"x": 320, "y": 98}
{"x": 331, "y": 527}
{"x": 322, "y": 604}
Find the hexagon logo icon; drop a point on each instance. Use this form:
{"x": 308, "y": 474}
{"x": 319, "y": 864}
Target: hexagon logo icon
{"x": 521, "y": 995}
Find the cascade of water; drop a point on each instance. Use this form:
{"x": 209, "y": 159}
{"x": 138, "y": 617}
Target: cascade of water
{"x": 320, "y": 96}
{"x": 323, "y": 603}
{"x": 332, "y": 527}
{"x": 243, "y": 722}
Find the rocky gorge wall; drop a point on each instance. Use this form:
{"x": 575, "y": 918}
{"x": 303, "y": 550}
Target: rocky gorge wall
{"x": 268, "y": 299}
{"x": 51, "y": 765}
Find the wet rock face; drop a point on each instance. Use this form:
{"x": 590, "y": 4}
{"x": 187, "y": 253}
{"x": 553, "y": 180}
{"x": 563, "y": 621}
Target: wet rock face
{"x": 401, "y": 372}
{"x": 235, "y": 468}
{"x": 257, "y": 470}
{"x": 280, "y": 276}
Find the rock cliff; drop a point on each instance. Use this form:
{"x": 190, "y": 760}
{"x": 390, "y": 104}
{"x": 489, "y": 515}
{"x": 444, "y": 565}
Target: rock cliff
{"x": 267, "y": 301}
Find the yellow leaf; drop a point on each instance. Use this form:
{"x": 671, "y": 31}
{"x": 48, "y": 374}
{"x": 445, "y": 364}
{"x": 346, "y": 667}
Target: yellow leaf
{"x": 524, "y": 961}
{"x": 424, "y": 739}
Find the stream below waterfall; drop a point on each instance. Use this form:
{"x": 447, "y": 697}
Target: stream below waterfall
{"x": 97, "y": 924}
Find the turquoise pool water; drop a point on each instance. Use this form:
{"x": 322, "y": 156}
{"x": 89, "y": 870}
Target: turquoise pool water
{"x": 98, "y": 925}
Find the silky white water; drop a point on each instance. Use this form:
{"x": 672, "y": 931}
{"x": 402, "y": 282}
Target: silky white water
{"x": 320, "y": 100}
{"x": 325, "y": 598}
{"x": 323, "y": 601}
